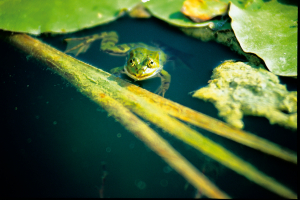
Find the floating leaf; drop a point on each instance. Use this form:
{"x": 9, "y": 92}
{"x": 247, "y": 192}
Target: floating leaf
{"x": 169, "y": 11}
{"x": 238, "y": 89}
{"x": 270, "y": 32}
{"x": 203, "y": 10}
{"x": 58, "y": 16}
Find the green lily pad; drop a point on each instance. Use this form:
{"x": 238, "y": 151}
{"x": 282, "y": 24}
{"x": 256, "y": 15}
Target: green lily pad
{"x": 169, "y": 11}
{"x": 57, "y": 16}
{"x": 270, "y": 32}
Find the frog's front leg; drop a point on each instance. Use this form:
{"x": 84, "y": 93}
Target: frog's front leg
{"x": 117, "y": 71}
{"x": 165, "y": 82}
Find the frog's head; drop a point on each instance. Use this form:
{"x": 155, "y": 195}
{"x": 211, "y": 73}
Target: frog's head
{"x": 143, "y": 63}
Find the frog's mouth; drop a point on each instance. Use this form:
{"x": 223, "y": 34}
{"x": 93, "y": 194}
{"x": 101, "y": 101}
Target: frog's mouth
{"x": 137, "y": 77}
{"x": 143, "y": 74}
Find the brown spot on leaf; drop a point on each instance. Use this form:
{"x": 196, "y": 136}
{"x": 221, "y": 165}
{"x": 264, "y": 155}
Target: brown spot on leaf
{"x": 203, "y": 10}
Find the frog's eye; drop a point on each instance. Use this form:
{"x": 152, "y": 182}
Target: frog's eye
{"x": 151, "y": 63}
{"x": 131, "y": 61}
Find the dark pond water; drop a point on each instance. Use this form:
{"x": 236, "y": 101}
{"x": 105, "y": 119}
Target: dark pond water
{"x": 55, "y": 140}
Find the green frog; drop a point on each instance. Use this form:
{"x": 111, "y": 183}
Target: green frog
{"x": 143, "y": 61}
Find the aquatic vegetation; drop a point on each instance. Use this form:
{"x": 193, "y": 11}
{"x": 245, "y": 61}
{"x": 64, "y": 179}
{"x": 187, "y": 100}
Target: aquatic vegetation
{"x": 36, "y": 17}
{"x": 272, "y": 37}
{"x": 239, "y": 89}
{"x": 234, "y": 96}
{"x": 122, "y": 99}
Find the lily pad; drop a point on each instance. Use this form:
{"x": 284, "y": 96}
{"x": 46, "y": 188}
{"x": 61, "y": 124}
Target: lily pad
{"x": 169, "y": 11}
{"x": 203, "y": 10}
{"x": 66, "y": 16}
{"x": 270, "y": 32}
{"x": 56, "y": 16}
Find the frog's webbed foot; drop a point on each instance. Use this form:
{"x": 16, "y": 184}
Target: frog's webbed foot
{"x": 81, "y": 45}
{"x": 165, "y": 83}
{"x": 162, "y": 89}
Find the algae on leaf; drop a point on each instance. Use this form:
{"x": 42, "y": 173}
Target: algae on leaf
{"x": 270, "y": 32}
{"x": 239, "y": 89}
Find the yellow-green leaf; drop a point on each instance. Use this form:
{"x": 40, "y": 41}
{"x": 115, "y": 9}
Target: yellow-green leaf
{"x": 270, "y": 32}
